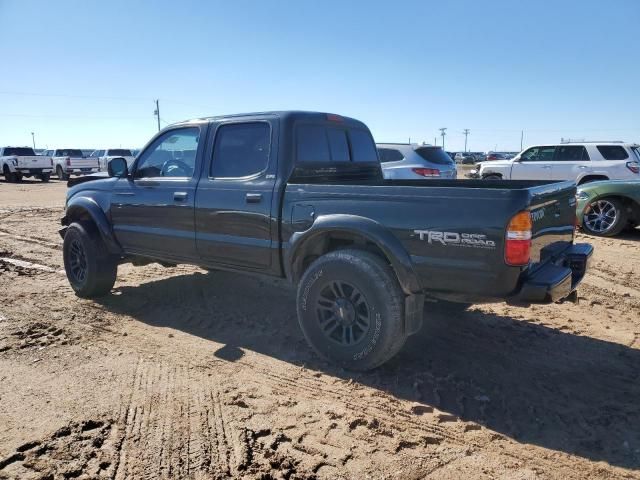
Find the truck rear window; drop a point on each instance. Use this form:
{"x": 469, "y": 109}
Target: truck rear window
{"x": 69, "y": 152}
{"x": 119, "y": 152}
{"x": 20, "y": 151}
{"x": 321, "y": 144}
{"x": 434, "y": 155}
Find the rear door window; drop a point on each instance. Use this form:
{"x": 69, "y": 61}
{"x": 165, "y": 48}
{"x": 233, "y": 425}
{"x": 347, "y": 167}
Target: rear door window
{"x": 390, "y": 155}
{"x": 241, "y": 150}
{"x": 568, "y": 153}
{"x": 613, "y": 152}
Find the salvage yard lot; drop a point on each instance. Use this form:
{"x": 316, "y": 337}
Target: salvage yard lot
{"x": 184, "y": 373}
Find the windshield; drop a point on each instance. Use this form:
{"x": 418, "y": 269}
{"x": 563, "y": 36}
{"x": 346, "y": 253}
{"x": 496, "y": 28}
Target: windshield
{"x": 69, "y": 152}
{"x": 119, "y": 152}
{"x": 20, "y": 151}
{"x": 434, "y": 155}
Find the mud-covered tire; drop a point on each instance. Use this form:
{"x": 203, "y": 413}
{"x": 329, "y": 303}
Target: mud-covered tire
{"x": 348, "y": 278}
{"x": 95, "y": 275}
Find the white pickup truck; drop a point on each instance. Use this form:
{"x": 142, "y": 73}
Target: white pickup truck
{"x": 104, "y": 156}
{"x": 19, "y": 162}
{"x": 71, "y": 161}
{"x": 580, "y": 162}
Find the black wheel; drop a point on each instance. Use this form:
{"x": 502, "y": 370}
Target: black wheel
{"x": 45, "y": 177}
{"x": 91, "y": 271}
{"x": 606, "y": 217}
{"x": 9, "y": 176}
{"x": 351, "y": 309}
{"x": 60, "y": 173}
{"x": 492, "y": 176}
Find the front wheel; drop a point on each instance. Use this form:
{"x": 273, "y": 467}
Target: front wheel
{"x": 351, "y": 309}
{"x": 606, "y": 217}
{"x": 91, "y": 271}
{"x": 9, "y": 176}
{"x": 492, "y": 176}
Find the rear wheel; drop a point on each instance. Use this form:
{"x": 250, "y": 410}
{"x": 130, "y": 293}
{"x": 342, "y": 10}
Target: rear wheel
{"x": 9, "y": 176}
{"x": 60, "y": 173}
{"x": 91, "y": 271}
{"x": 606, "y": 217}
{"x": 492, "y": 176}
{"x": 351, "y": 309}
{"x": 45, "y": 177}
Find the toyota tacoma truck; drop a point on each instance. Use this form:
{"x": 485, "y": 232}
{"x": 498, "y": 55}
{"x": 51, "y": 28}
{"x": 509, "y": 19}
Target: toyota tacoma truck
{"x": 300, "y": 195}
{"x": 19, "y": 162}
{"x": 71, "y": 161}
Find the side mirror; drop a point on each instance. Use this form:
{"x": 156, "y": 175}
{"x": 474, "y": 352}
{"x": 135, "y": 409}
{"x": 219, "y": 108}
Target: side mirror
{"x": 117, "y": 167}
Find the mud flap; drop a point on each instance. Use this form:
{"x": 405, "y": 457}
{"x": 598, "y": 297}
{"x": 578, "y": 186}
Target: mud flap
{"x": 413, "y": 313}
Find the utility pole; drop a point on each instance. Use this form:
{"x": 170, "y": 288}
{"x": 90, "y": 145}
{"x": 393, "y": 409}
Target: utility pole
{"x": 466, "y": 132}
{"x": 157, "y": 112}
{"x": 33, "y": 139}
{"x": 435, "y": 141}
{"x": 521, "y": 138}
{"x": 443, "y": 133}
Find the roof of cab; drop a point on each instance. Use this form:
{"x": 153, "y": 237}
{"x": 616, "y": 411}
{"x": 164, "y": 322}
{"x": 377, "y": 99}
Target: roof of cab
{"x": 283, "y": 114}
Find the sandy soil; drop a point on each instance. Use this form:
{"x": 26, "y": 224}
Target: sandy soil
{"x": 181, "y": 373}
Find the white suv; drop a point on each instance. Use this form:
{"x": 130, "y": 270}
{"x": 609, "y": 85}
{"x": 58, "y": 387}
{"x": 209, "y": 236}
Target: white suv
{"x": 580, "y": 162}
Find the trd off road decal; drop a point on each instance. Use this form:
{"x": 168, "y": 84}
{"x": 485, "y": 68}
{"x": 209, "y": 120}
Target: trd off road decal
{"x": 454, "y": 239}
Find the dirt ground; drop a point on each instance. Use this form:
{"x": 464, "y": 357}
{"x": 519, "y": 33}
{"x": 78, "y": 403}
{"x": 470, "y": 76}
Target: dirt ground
{"x": 182, "y": 373}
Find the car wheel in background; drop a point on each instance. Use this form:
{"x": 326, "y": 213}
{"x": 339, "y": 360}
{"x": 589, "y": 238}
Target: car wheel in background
{"x": 351, "y": 309}
{"x": 492, "y": 176}
{"x": 45, "y": 177}
{"x": 9, "y": 176}
{"x": 60, "y": 173}
{"x": 90, "y": 269}
{"x": 605, "y": 217}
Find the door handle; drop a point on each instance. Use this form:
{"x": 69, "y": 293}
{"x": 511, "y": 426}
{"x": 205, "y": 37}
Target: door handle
{"x": 582, "y": 166}
{"x": 253, "y": 197}
{"x": 546, "y": 166}
{"x": 179, "y": 196}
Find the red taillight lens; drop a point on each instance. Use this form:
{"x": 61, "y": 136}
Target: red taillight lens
{"x": 68, "y": 162}
{"x": 427, "y": 172}
{"x": 633, "y": 166}
{"x": 332, "y": 117}
{"x": 517, "y": 248}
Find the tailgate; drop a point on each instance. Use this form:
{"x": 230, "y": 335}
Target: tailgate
{"x": 553, "y": 214}
{"x": 86, "y": 163}
{"x": 37, "y": 161}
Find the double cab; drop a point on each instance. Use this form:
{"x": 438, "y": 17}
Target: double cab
{"x": 300, "y": 195}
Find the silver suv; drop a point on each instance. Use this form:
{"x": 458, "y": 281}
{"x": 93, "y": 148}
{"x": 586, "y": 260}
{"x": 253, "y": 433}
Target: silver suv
{"x": 410, "y": 161}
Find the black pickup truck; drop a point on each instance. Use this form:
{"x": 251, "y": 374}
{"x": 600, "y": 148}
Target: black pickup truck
{"x": 300, "y": 195}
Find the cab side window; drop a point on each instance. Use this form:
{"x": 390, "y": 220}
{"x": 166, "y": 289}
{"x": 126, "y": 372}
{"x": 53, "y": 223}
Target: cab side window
{"x": 569, "y": 153}
{"x": 538, "y": 154}
{"x": 173, "y": 154}
{"x": 241, "y": 150}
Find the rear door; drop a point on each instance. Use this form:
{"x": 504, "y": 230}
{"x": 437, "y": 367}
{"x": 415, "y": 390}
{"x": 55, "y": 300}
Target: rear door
{"x": 235, "y": 204}
{"x": 153, "y": 210}
{"x": 534, "y": 164}
{"x": 570, "y": 162}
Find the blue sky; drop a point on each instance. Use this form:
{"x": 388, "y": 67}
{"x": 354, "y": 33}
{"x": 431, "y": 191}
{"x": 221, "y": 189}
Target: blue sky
{"x": 85, "y": 73}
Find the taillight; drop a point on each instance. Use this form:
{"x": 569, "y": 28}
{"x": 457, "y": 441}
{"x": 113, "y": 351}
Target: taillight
{"x": 68, "y": 161}
{"x": 633, "y": 166}
{"x": 332, "y": 117}
{"x": 427, "y": 172}
{"x": 517, "y": 249}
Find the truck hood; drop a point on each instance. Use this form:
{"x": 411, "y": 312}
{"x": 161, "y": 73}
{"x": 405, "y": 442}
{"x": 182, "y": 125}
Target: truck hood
{"x": 100, "y": 181}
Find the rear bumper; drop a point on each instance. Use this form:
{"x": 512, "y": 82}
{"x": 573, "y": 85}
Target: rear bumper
{"x": 33, "y": 171}
{"x": 557, "y": 280}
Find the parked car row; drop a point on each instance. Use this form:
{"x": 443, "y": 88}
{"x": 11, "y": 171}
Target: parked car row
{"x": 17, "y": 163}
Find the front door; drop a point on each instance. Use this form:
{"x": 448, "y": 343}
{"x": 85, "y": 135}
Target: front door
{"x": 234, "y": 221}
{"x": 153, "y": 209}
{"x": 534, "y": 164}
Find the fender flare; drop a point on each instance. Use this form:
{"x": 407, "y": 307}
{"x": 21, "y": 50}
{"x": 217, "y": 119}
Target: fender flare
{"x": 78, "y": 206}
{"x": 9, "y": 164}
{"x": 301, "y": 243}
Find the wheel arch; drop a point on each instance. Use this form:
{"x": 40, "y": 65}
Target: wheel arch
{"x": 333, "y": 232}
{"x": 591, "y": 178}
{"x": 87, "y": 209}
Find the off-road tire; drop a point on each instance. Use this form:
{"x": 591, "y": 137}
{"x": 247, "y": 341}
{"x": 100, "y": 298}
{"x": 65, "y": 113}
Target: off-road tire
{"x": 100, "y": 268}
{"x": 370, "y": 276}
